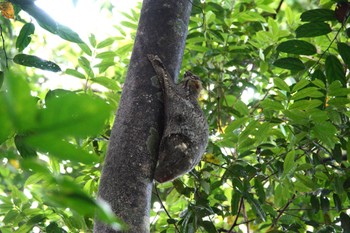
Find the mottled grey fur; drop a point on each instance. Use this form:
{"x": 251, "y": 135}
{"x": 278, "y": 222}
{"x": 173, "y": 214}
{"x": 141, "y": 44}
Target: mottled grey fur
{"x": 185, "y": 134}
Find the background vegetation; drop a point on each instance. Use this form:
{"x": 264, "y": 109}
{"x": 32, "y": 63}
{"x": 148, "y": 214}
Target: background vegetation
{"x": 276, "y": 99}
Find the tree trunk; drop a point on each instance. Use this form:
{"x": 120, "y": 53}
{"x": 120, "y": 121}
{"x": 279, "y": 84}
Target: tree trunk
{"x": 127, "y": 175}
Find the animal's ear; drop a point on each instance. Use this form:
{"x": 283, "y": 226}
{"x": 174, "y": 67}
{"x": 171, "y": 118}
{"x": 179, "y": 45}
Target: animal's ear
{"x": 188, "y": 73}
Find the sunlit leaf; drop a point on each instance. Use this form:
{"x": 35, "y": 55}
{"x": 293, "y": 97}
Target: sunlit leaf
{"x": 88, "y": 117}
{"x": 48, "y": 23}
{"x": 24, "y": 38}
{"x": 37, "y": 62}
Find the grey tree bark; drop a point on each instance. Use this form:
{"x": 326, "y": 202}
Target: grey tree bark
{"x": 127, "y": 174}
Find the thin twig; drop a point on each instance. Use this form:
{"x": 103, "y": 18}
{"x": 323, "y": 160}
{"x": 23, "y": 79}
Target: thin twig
{"x": 236, "y": 219}
{"x": 283, "y": 210}
{"x": 166, "y": 211}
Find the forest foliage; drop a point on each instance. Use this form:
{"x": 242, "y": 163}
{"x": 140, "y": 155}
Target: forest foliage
{"x": 276, "y": 88}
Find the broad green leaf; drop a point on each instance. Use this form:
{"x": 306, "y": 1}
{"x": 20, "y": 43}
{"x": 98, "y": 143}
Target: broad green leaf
{"x": 129, "y": 24}
{"x": 301, "y": 84}
{"x": 24, "y": 38}
{"x": 326, "y": 132}
{"x": 281, "y": 84}
{"x": 85, "y": 64}
{"x": 255, "y": 206}
{"x": 75, "y": 73}
{"x": 235, "y": 199}
{"x": 25, "y": 150}
{"x": 88, "y": 117}
{"x": 34, "y": 61}
{"x": 337, "y": 89}
{"x": 272, "y": 104}
{"x": 106, "y": 54}
{"x": 313, "y": 29}
{"x": 85, "y": 48}
{"x": 106, "y": 82}
{"x": 105, "y": 43}
{"x": 299, "y": 47}
{"x": 48, "y": 23}
{"x": 21, "y": 106}
{"x": 306, "y": 181}
{"x": 305, "y": 104}
{"x": 312, "y": 92}
{"x": 318, "y": 15}
{"x": 289, "y": 164}
{"x": 289, "y": 63}
{"x": 104, "y": 65}
{"x": 5, "y": 120}
{"x": 334, "y": 70}
{"x": 344, "y": 51}
{"x": 92, "y": 40}
{"x": 61, "y": 149}
{"x": 241, "y": 107}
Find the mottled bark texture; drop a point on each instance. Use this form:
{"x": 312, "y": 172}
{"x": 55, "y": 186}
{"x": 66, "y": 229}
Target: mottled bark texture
{"x": 127, "y": 174}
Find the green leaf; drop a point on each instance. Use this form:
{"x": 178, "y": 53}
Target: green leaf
{"x": 334, "y": 70}
{"x": 21, "y": 106}
{"x": 48, "y": 23}
{"x": 5, "y": 120}
{"x": 281, "y": 84}
{"x": 107, "y": 54}
{"x": 34, "y": 61}
{"x": 241, "y": 107}
{"x": 301, "y": 84}
{"x": 24, "y": 38}
{"x": 312, "y": 92}
{"x": 318, "y": 15}
{"x": 305, "y": 104}
{"x": 258, "y": 210}
{"x": 326, "y": 132}
{"x": 313, "y": 29}
{"x": 308, "y": 184}
{"x": 105, "y": 43}
{"x": 85, "y": 48}
{"x": 289, "y": 63}
{"x": 92, "y": 40}
{"x": 104, "y": 65}
{"x": 271, "y": 104}
{"x": 75, "y": 73}
{"x": 25, "y": 150}
{"x": 106, "y": 82}
{"x": 88, "y": 117}
{"x": 299, "y": 47}
{"x": 128, "y": 24}
{"x": 289, "y": 164}
{"x": 344, "y": 51}
{"x": 85, "y": 64}
{"x": 60, "y": 148}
